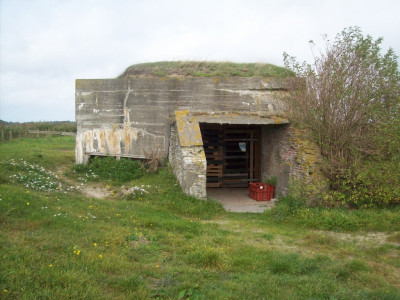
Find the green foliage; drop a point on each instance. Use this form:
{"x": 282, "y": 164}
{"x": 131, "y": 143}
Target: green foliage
{"x": 376, "y": 184}
{"x": 110, "y": 169}
{"x": 205, "y": 69}
{"x": 271, "y": 181}
{"x": 349, "y": 102}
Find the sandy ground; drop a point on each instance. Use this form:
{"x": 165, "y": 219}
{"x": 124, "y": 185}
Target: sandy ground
{"x": 238, "y": 200}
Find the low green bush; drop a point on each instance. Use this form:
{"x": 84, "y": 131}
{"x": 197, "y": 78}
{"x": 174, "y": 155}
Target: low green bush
{"x": 110, "y": 169}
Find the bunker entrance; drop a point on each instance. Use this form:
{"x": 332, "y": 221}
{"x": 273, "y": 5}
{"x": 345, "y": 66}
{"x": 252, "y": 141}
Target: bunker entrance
{"x": 232, "y": 153}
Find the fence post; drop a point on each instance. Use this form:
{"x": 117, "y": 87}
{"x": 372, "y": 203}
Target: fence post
{"x": 10, "y": 135}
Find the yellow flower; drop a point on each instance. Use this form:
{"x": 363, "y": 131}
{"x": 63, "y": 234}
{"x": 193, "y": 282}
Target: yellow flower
{"x": 27, "y": 203}
{"x": 50, "y": 265}
{"x": 100, "y": 256}
{"x": 27, "y": 191}
{"x": 95, "y": 244}
{"x": 157, "y": 266}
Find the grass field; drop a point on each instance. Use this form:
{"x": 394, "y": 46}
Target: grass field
{"x": 153, "y": 242}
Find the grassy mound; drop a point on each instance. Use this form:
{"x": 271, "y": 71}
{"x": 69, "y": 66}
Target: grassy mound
{"x": 204, "y": 69}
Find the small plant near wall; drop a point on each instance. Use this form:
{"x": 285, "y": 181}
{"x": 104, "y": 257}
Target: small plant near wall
{"x": 271, "y": 181}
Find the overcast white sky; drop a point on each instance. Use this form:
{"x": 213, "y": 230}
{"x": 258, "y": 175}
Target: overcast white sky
{"x": 46, "y": 44}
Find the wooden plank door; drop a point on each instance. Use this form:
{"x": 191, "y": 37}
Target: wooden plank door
{"x": 232, "y": 153}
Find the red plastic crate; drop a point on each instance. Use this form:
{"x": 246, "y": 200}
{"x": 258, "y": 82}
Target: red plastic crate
{"x": 261, "y": 192}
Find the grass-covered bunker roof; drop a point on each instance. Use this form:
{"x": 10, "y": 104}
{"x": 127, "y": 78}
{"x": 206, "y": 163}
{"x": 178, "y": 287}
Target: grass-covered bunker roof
{"x": 204, "y": 69}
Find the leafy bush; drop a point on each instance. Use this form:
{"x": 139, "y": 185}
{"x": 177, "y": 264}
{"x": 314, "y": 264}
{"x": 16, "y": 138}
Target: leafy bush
{"x": 374, "y": 184}
{"x": 108, "y": 168}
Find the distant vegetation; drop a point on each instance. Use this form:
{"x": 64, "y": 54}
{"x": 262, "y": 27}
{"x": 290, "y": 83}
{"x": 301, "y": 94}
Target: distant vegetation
{"x": 14, "y": 130}
{"x": 205, "y": 69}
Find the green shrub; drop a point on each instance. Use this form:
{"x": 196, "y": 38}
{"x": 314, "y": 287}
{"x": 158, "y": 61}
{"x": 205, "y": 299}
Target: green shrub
{"x": 110, "y": 169}
{"x": 286, "y": 207}
{"x": 271, "y": 181}
{"x": 371, "y": 184}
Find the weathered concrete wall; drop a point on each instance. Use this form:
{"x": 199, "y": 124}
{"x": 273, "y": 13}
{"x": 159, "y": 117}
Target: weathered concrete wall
{"x": 111, "y": 119}
{"x": 125, "y": 116}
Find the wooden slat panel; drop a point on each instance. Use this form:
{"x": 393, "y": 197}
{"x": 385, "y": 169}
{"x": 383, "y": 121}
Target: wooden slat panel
{"x": 227, "y": 164}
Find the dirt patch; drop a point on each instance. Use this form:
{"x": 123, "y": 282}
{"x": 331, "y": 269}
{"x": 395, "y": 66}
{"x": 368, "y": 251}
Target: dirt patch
{"x": 371, "y": 238}
{"x": 99, "y": 191}
{"x": 95, "y": 191}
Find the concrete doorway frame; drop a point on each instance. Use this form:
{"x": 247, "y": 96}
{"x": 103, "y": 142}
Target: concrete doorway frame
{"x": 186, "y": 147}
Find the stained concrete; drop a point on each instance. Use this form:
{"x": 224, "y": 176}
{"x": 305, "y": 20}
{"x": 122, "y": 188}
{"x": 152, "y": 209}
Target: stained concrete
{"x": 124, "y": 117}
{"x": 238, "y": 200}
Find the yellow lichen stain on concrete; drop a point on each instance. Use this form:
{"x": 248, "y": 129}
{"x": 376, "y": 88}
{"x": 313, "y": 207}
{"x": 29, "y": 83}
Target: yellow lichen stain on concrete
{"x": 112, "y": 141}
{"x": 88, "y": 137}
{"x": 188, "y": 129}
{"x": 127, "y": 141}
{"x": 102, "y": 141}
{"x": 308, "y": 154}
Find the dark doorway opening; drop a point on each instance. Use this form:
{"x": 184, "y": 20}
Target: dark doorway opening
{"x": 232, "y": 153}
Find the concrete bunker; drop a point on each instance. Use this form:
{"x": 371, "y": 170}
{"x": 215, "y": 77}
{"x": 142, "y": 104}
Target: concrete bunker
{"x": 215, "y": 131}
